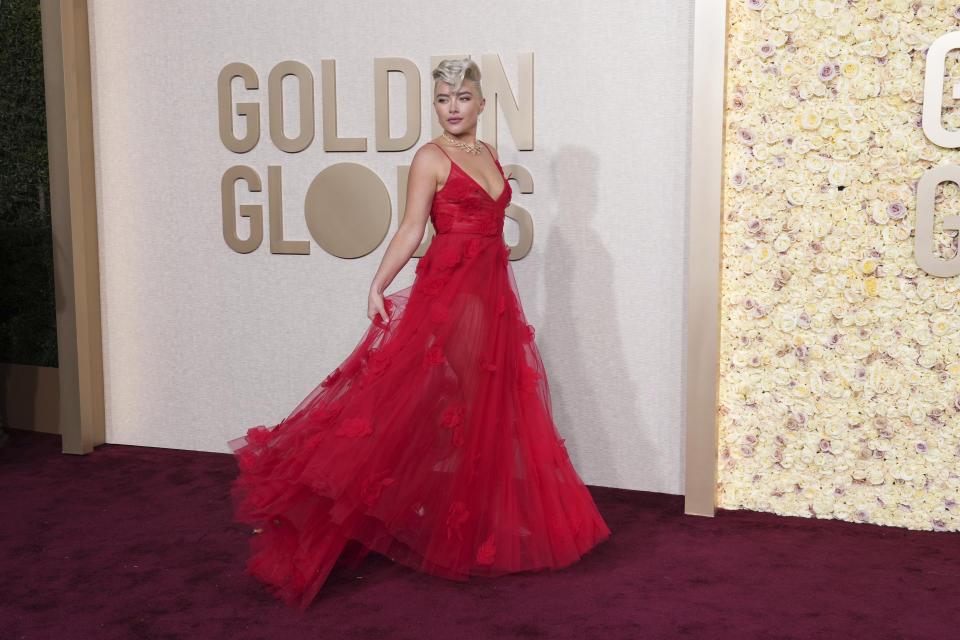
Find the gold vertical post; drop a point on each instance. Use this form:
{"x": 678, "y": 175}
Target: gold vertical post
{"x": 73, "y": 204}
{"x": 703, "y": 293}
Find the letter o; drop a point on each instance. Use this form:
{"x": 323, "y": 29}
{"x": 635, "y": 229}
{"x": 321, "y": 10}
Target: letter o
{"x": 347, "y": 209}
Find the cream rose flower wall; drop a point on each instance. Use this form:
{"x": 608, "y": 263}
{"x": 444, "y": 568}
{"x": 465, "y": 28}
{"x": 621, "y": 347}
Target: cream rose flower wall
{"x": 840, "y": 358}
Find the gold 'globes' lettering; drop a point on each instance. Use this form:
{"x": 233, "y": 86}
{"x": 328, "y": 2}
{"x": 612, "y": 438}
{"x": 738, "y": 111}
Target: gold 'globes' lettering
{"x": 517, "y": 213}
{"x": 932, "y": 119}
{"x": 254, "y": 212}
{"x": 347, "y": 206}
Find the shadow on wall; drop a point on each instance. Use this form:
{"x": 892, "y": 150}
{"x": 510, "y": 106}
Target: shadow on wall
{"x": 29, "y": 398}
{"x": 596, "y": 403}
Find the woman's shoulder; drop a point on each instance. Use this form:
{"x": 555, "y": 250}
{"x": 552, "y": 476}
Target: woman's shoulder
{"x": 429, "y": 160}
{"x": 429, "y": 149}
{"x": 429, "y": 153}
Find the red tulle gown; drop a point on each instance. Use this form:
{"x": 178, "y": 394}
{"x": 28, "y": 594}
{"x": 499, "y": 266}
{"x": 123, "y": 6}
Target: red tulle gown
{"x": 433, "y": 442}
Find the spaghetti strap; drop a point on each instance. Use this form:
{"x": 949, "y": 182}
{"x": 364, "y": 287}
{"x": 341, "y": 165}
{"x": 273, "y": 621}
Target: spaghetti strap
{"x": 495, "y": 161}
{"x": 488, "y": 149}
{"x": 442, "y": 150}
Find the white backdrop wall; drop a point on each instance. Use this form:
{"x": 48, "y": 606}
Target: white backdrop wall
{"x": 201, "y": 343}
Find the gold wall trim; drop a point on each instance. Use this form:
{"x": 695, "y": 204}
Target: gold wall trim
{"x": 73, "y": 204}
{"x": 703, "y": 288}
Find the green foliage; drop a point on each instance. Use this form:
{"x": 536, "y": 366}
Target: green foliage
{"x": 28, "y": 329}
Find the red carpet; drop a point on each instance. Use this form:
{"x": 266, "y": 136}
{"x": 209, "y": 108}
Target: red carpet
{"x": 135, "y": 542}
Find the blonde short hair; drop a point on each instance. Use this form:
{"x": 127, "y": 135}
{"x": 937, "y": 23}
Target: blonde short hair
{"x": 454, "y": 72}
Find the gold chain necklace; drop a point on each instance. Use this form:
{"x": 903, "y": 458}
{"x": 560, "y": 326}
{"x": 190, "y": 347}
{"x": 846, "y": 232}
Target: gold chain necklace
{"x": 469, "y": 148}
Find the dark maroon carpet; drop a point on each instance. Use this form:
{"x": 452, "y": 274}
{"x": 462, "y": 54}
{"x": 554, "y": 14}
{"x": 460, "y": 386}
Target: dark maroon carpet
{"x": 135, "y": 542}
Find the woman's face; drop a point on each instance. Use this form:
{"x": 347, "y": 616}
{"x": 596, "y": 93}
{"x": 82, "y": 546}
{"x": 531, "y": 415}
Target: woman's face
{"x": 457, "y": 113}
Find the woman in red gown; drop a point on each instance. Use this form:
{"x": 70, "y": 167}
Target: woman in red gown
{"x": 433, "y": 442}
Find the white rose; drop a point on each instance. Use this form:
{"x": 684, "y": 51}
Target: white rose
{"x": 861, "y": 132}
{"x": 945, "y": 301}
{"x": 890, "y": 27}
{"x": 790, "y": 22}
{"x": 941, "y": 324}
{"x": 816, "y": 164}
{"x": 810, "y": 119}
{"x": 927, "y": 358}
{"x": 917, "y": 415}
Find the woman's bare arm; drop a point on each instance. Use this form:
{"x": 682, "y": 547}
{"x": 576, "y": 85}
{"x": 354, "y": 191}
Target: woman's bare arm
{"x": 421, "y": 187}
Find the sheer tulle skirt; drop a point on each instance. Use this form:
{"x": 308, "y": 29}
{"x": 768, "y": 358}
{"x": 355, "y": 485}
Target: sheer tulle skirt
{"x": 432, "y": 443}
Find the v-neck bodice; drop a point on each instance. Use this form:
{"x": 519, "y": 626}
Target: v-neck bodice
{"x": 463, "y": 206}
